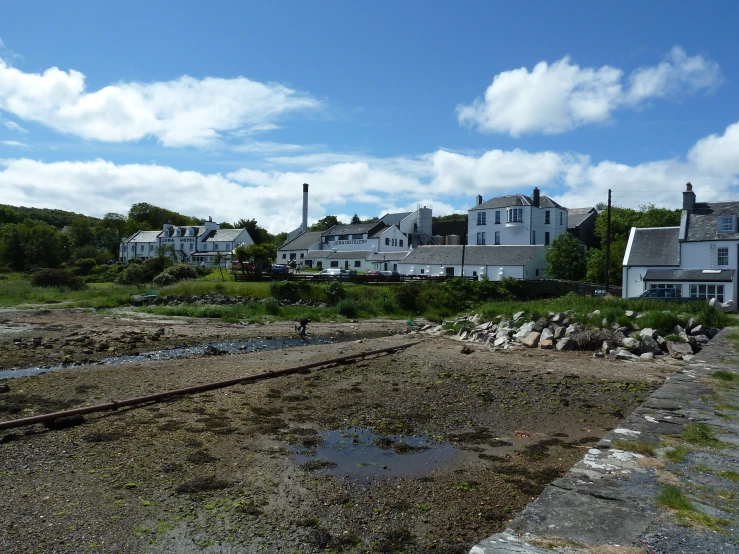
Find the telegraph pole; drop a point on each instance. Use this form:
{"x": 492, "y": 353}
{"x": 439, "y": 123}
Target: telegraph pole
{"x": 464, "y": 239}
{"x": 608, "y": 245}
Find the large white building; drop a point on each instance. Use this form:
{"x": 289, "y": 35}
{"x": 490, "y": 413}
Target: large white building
{"x": 698, "y": 259}
{"x": 516, "y": 219}
{"x": 194, "y": 244}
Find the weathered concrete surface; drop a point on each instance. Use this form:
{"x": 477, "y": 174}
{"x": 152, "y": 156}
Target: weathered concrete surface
{"x": 609, "y": 496}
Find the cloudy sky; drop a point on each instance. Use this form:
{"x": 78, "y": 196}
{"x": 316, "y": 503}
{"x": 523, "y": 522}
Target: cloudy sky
{"x": 225, "y": 109}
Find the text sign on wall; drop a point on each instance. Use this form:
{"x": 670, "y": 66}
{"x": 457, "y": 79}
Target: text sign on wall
{"x": 362, "y": 241}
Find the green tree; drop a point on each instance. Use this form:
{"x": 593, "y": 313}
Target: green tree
{"x": 9, "y": 215}
{"x": 242, "y": 254}
{"x": 218, "y": 260}
{"x": 325, "y": 223}
{"x": 110, "y": 232}
{"x": 260, "y": 255}
{"x": 31, "y": 243}
{"x": 81, "y": 232}
{"x": 565, "y": 258}
{"x": 355, "y": 220}
{"x": 258, "y": 234}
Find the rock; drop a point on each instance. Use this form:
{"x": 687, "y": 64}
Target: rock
{"x": 676, "y": 330}
{"x": 647, "y": 332}
{"x": 691, "y": 323}
{"x": 604, "y": 322}
{"x": 483, "y": 326}
{"x": 712, "y": 332}
{"x": 594, "y": 313}
{"x": 531, "y": 340}
{"x": 540, "y": 325}
{"x": 662, "y": 343}
{"x": 565, "y": 344}
{"x": 556, "y": 318}
{"x": 631, "y": 344}
{"x": 688, "y": 358}
{"x": 646, "y": 356}
{"x": 546, "y": 344}
{"x": 503, "y": 333}
{"x": 598, "y": 355}
{"x": 570, "y": 330}
{"x": 517, "y": 316}
{"x": 559, "y": 332}
{"x": 159, "y": 332}
{"x": 622, "y": 354}
{"x": 463, "y": 331}
{"x": 701, "y": 341}
{"x": 546, "y": 334}
{"x": 524, "y": 330}
{"x": 501, "y": 341}
{"x": 630, "y": 314}
{"x": 4, "y": 388}
{"x": 649, "y": 346}
{"x": 464, "y": 335}
{"x": 466, "y": 350}
{"x": 679, "y": 349}
{"x": 698, "y": 330}
{"x": 607, "y": 346}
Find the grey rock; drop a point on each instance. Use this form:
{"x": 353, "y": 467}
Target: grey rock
{"x": 570, "y": 330}
{"x": 631, "y": 344}
{"x": 688, "y": 357}
{"x": 679, "y": 349}
{"x": 691, "y": 323}
{"x": 697, "y": 330}
{"x": 646, "y": 356}
{"x": 546, "y": 333}
{"x": 607, "y": 346}
{"x": 565, "y": 344}
{"x": 649, "y": 346}
{"x": 517, "y": 316}
{"x": 464, "y": 331}
{"x": 630, "y": 313}
{"x": 524, "y": 330}
{"x": 712, "y": 332}
{"x": 701, "y": 341}
{"x": 464, "y": 335}
{"x": 604, "y": 322}
{"x": 622, "y": 354}
{"x": 559, "y": 332}
{"x": 501, "y": 341}
{"x": 556, "y": 318}
{"x": 647, "y": 332}
{"x": 540, "y": 324}
{"x": 531, "y": 340}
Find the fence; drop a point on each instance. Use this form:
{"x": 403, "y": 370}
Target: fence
{"x": 359, "y": 279}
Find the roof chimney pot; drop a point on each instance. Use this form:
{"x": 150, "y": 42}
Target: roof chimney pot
{"x": 536, "y": 197}
{"x": 688, "y": 198}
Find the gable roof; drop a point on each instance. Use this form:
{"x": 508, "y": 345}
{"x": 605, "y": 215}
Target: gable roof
{"x": 302, "y": 242}
{"x": 702, "y": 221}
{"x": 575, "y": 216}
{"x": 655, "y": 246}
{"x": 394, "y": 219}
{"x": 517, "y": 200}
{"x": 224, "y": 235}
{"x": 359, "y": 228}
{"x": 144, "y": 236}
{"x": 501, "y": 255}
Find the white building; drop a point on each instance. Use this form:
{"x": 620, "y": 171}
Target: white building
{"x": 194, "y": 244}
{"x": 516, "y": 220}
{"x": 699, "y": 259}
{"x": 492, "y": 262}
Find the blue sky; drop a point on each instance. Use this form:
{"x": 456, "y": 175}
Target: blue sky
{"x": 225, "y": 109}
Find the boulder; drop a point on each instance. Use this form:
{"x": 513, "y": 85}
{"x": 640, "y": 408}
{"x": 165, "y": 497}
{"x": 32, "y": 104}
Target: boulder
{"x": 559, "y": 332}
{"x": 540, "y": 324}
{"x": 464, "y": 335}
{"x": 531, "y": 340}
{"x": 622, "y": 354}
{"x": 517, "y": 316}
{"x": 631, "y": 344}
{"x": 523, "y": 331}
{"x": 648, "y": 332}
{"x": 698, "y": 330}
{"x": 482, "y": 327}
{"x": 546, "y": 334}
{"x": 501, "y": 341}
{"x": 570, "y": 330}
{"x": 679, "y": 349}
{"x": 630, "y": 314}
{"x": 607, "y": 346}
{"x": 565, "y": 344}
{"x": 701, "y": 341}
{"x": 556, "y": 318}
{"x": 464, "y": 331}
{"x": 691, "y": 323}
{"x": 649, "y": 346}
{"x": 546, "y": 344}
{"x": 505, "y": 332}
{"x": 712, "y": 332}
{"x": 646, "y": 356}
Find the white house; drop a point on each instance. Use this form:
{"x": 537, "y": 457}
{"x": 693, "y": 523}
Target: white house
{"x": 493, "y": 262}
{"x": 194, "y": 244}
{"x": 297, "y": 248}
{"x": 516, "y": 219}
{"x": 699, "y": 259}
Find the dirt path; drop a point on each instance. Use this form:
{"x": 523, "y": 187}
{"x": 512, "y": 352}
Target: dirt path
{"x": 249, "y": 469}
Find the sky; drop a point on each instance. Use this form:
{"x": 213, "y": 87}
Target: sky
{"x": 225, "y": 109}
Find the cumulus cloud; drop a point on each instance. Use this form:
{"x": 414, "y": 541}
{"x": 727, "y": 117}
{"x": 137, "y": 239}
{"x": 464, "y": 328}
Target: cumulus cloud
{"x": 559, "y": 97}
{"x": 182, "y": 112}
{"x": 13, "y": 126}
{"x": 14, "y": 143}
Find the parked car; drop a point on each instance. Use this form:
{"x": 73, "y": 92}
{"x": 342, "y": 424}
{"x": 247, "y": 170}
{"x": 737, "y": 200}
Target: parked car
{"x": 331, "y": 274}
{"x": 664, "y": 294}
{"x": 391, "y": 275}
{"x": 279, "y": 269}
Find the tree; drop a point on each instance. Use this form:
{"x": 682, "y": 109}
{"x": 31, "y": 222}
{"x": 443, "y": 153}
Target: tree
{"x": 565, "y": 258}
{"x": 110, "y": 232}
{"x": 355, "y": 220}
{"x": 261, "y": 255}
{"x": 325, "y": 223}
{"x": 258, "y": 234}
{"x": 81, "y": 233}
{"x": 31, "y": 243}
{"x": 242, "y": 254}
{"x": 218, "y": 260}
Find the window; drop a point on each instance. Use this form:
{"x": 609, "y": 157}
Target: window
{"x": 497, "y": 217}
{"x": 401, "y": 243}
{"x": 293, "y": 255}
{"x": 387, "y": 242}
{"x": 334, "y": 264}
{"x": 537, "y": 272}
{"x": 284, "y": 256}
{"x": 480, "y": 238}
{"x": 357, "y": 263}
{"x": 343, "y": 237}
{"x": 546, "y": 238}
{"x": 561, "y": 215}
{"x": 546, "y": 218}
{"x": 215, "y": 246}
{"x": 421, "y": 271}
{"x": 319, "y": 264}
{"x": 151, "y": 247}
{"x": 723, "y": 256}
{"x": 481, "y": 218}
{"x": 302, "y": 255}
{"x": 515, "y": 215}
{"x": 533, "y": 237}
{"x": 360, "y": 236}
{"x": 142, "y": 247}
{"x": 707, "y": 292}
{"x": 726, "y": 224}
{"x": 192, "y": 246}
{"x": 497, "y": 237}
{"x": 672, "y": 286}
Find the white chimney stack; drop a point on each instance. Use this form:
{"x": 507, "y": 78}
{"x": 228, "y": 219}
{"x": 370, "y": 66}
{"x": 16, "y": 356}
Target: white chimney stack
{"x": 304, "y": 226}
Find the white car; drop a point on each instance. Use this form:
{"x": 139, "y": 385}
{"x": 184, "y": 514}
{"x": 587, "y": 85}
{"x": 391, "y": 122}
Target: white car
{"x": 331, "y": 274}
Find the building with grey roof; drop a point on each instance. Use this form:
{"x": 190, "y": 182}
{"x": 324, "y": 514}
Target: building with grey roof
{"x": 698, "y": 259}
{"x": 581, "y": 224}
{"x": 516, "y": 220}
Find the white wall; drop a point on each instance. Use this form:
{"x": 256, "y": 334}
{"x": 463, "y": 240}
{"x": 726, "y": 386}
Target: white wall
{"x": 396, "y": 236}
{"x": 510, "y": 233}
{"x": 632, "y": 284}
{"x": 351, "y": 244}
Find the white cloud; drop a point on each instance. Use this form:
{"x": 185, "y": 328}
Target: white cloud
{"x": 182, "y": 112}
{"x": 13, "y": 126}
{"x": 266, "y": 147}
{"x": 559, "y": 97}
{"x": 14, "y": 143}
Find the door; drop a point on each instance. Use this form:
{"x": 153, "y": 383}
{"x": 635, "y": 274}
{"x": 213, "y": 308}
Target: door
{"x": 346, "y": 264}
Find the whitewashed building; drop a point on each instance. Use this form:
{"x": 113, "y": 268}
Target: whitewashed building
{"x": 516, "y": 220}
{"x": 698, "y": 259}
{"x": 491, "y": 262}
{"x": 193, "y": 244}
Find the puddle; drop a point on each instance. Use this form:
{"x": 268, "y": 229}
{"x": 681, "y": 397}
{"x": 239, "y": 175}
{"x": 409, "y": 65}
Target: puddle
{"x": 361, "y": 454}
{"x": 14, "y": 328}
{"x": 216, "y": 348}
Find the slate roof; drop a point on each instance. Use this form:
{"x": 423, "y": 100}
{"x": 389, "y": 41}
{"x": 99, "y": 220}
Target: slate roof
{"x": 317, "y": 254}
{"x": 576, "y": 216}
{"x": 695, "y": 275}
{"x": 223, "y": 235}
{"x": 350, "y": 229}
{"x": 380, "y": 231}
{"x": 517, "y": 200}
{"x": 394, "y": 219}
{"x": 702, "y": 222}
{"x": 144, "y": 236}
{"x": 302, "y": 242}
{"x": 350, "y": 255}
{"x": 387, "y": 256}
{"x": 654, "y": 247}
{"x": 503, "y": 255}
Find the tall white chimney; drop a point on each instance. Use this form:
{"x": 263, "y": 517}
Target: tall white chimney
{"x": 304, "y": 226}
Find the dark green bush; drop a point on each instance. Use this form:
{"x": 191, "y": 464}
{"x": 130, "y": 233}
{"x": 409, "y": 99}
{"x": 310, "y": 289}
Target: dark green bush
{"x": 57, "y": 278}
{"x": 664, "y": 322}
{"x": 335, "y": 292}
{"x": 347, "y": 307}
{"x": 271, "y": 306}
{"x": 407, "y": 296}
{"x": 711, "y": 317}
{"x": 84, "y": 266}
{"x": 174, "y": 274}
{"x": 289, "y": 290}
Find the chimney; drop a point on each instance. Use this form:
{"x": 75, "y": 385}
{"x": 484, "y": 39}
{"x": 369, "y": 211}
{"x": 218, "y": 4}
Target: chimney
{"x": 210, "y": 218}
{"x": 479, "y": 200}
{"x": 304, "y": 226}
{"x": 688, "y": 198}
{"x": 536, "y": 197}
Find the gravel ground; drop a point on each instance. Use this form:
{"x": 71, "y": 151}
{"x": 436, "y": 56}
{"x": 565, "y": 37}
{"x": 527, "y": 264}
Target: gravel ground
{"x": 218, "y": 472}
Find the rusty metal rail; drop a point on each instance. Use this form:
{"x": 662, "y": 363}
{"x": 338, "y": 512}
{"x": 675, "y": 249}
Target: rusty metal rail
{"x": 114, "y": 405}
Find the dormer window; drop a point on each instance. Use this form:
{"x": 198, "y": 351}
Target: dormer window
{"x": 727, "y": 224}
{"x": 190, "y": 231}
{"x": 179, "y": 232}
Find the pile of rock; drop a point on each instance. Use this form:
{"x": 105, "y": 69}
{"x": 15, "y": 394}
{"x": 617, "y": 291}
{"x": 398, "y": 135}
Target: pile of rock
{"x": 559, "y": 332}
{"x": 217, "y": 299}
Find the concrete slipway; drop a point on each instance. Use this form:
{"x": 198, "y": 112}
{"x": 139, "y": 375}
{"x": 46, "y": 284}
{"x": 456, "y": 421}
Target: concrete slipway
{"x": 609, "y": 497}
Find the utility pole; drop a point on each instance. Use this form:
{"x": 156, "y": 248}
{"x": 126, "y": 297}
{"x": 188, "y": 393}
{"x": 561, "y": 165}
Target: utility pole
{"x": 608, "y": 246}
{"x": 464, "y": 239}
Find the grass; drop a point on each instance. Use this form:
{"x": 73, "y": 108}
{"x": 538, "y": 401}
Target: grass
{"x": 725, "y": 376}
{"x": 639, "y": 447}
{"x": 673, "y": 498}
{"x": 701, "y": 434}
{"x": 730, "y": 475}
{"x": 678, "y": 453}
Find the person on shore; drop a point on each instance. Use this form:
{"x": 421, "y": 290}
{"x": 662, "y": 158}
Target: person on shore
{"x": 301, "y": 327}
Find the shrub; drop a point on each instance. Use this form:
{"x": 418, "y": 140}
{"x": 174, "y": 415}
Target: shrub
{"x": 347, "y": 307}
{"x": 289, "y": 290}
{"x": 271, "y": 306}
{"x": 335, "y": 292}
{"x": 84, "y": 266}
{"x": 134, "y": 274}
{"x": 672, "y": 337}
{"x": 664, "y": 322}
{"x": 711, "y": 317}
{"x": 57, "y": 278}
{"x": 174, "y": 274}
{"x": 406, "y": 296}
